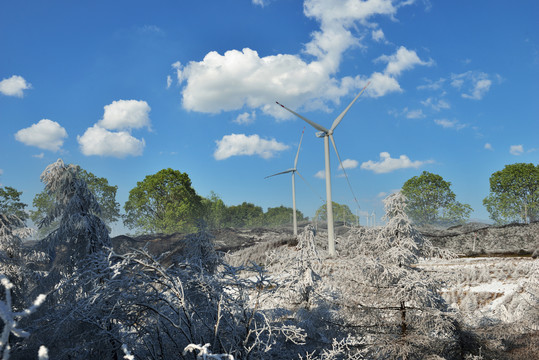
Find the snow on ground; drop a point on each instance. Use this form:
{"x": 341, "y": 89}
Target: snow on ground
{"x": 488, "y": 289}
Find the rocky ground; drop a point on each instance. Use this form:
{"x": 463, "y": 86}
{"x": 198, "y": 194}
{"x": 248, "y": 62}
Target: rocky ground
{"x": 472, "y": 239}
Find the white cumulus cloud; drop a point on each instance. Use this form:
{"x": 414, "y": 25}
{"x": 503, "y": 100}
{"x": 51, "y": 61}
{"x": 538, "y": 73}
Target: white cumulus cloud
{"x": 14, "y": 86}
{"x": 241, "y": 144}
{"x": 386, "y": 82}
{"x": 126, "y": 114}
{"x": 516, "y": 149}
{"x": 100, "y": 141}
{"x": 388, "y": 164}
{"x": 46, "y": 134}
{"x": 349, "y": 164}
{"x": 403, "y": 59}
{"x": 243, "y": 79}
{"x": 488, "y": 146}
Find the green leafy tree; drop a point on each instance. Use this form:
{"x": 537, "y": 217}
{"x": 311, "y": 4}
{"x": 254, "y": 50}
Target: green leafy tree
{"x": 10, "y": 203}
{"x": 514, "y": 194}
{"x": 244, "y": 215}
{"x": 104, "y": 193}
{"x": 341, "y": 212}
{"x": 281, "y": 216}
{"x": 163, "y": 202}
{"x": 431, "y": 201}
{"x": 214, "y": 211}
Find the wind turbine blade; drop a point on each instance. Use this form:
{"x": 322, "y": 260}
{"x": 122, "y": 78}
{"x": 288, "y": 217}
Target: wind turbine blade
{"x": 297, "y": 154}
{"x": 282, "y": 172}
{"x": 309, "y": 185}
{"x": 344, "y": 171}
{"x": 312, "y": 123}
{"x": 339, "y": 118}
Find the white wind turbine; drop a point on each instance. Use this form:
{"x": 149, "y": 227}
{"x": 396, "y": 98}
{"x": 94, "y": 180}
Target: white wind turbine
{"x": 293, "y": 170}
{"x": 328, "y": 134}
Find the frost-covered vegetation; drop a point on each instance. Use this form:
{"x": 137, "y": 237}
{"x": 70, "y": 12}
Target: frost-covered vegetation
{"x": 388, "y": 294}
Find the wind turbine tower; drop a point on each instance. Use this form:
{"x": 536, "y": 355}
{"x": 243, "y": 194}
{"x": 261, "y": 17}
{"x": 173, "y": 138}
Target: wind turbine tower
{"x": 293, "y": 170}
{"x": 327, "y": 134}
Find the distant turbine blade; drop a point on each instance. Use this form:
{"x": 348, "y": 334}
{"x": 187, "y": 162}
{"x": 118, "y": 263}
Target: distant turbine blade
{"x": 282, "y": 172}
{"x": 339, "y": 118}
{"x": 312, "y": 123}
{"x": 344, "y": 171}
{"x": 297, "y": 154}
{"x": 309, "y": 185}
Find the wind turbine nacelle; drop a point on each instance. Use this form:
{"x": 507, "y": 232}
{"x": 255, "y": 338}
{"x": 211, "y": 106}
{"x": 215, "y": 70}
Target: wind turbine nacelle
{"x": 320, "y": 134}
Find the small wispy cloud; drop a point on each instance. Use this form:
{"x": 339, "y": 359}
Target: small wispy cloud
{"x": 321, "y": 174}
{"x": 474, "y": 84}
{"x": 245, "y": 118}
{"x": 415, "y": 114}
{"x": 450, "y": 124}
{"x": 432, "y": 85}
{"x": 378, "y": 35}
{"x": 516, "y": 150}
{"x": 488, "y": 146}
{"x": 39, "y": 156}
{"x": 436, "y": 104}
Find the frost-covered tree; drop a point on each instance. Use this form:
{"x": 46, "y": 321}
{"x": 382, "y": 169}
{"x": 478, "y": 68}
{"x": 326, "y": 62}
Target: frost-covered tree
{"x": 104, "y": 193}
{"x": 383, "y": 305}
{"x": 81, "y": 231}
{"x": 12, "y": 254}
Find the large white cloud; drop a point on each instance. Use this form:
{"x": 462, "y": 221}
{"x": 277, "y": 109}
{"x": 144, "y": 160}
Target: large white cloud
{"x": 241, "y": 144}
{"x": 388, "y": 164}
{"x": 242, "y": 79}
{"x": 123, "y": 116}
{"x": 46, "y": 134}
{"x": 14, "y": 86}
{"x": 126, "y": 114}
{"x": 100, "y": 141}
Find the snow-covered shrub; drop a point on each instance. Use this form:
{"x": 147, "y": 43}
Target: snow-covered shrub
{"x": 157, "y": 311}
{"x": 10, "y": 318}
{"x": 392, "y": 308}
{"x": 15, "y": 258}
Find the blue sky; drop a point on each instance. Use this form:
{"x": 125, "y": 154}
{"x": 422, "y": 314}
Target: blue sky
{"x": 127, "y": 88}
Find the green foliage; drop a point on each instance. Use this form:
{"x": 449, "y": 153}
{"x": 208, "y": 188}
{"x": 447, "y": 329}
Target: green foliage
{"x": 10, "y": 203}
{"x": 104, "y": 193}
{"x": 244, "y": 215}
{"x": 214, "y": 211}
{"x": 514, "y": 194}
{"x": 341, "y": 212}
{"x": 163, "y": 202}
{"x": 281, "y": 216}
{"x": 431, "y": 201}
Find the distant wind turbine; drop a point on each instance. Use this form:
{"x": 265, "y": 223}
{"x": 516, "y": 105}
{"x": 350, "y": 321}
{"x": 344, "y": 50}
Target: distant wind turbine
{"x": 293, "y": 170}
{"x": 328, "y": 134}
